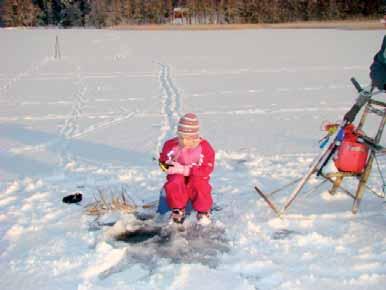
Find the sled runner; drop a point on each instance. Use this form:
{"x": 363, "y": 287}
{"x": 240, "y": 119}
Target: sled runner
{"x": 355, "y": 157}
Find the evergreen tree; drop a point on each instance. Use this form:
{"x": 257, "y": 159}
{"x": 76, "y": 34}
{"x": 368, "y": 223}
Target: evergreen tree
{"x": 50, "y": 12}
{"x": 71, "y": 15}
{"x": 2, "y": 13}
{"x": 56, "y": 11}
{"x": 85, "y": 9}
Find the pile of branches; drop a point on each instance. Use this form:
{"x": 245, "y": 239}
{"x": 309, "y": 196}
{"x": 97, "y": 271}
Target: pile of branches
{"x": 104, "y": 203}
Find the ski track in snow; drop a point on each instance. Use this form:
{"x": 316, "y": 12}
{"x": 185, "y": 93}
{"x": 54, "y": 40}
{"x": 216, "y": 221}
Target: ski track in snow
{"x": 260, "y": 111}
{"x": 113, "y": 116}
{"x": 284, "y": 69}
{"x": 171, "y": 106}
{"x": 87, "y": 76}
{"x": 4, "y": 89}
{"x": 260, "y": 91}
{"x": 70, "y": 128}
{"x": 118, "y": 116}
{"x": 32, "y": 74}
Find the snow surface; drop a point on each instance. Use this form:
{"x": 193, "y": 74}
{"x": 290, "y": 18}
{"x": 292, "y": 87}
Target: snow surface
{"x": 94, "y": 119}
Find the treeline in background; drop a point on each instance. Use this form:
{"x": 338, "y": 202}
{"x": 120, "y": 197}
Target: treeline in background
{"x": 103, "y": 13}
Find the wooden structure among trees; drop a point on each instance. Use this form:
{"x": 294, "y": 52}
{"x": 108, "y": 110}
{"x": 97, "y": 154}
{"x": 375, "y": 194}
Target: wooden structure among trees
{"x": 180, "y": 15}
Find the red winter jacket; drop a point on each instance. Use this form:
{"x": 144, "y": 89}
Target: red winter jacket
{"x": 206, "y": 165}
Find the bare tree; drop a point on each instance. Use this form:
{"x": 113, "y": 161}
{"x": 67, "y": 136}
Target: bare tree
{"x": 98, "y": 14}
{"x": 19, "y": 13}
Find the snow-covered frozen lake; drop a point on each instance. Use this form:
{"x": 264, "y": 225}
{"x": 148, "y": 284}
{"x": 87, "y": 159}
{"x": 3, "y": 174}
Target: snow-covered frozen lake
{"x": 95, "y": 118}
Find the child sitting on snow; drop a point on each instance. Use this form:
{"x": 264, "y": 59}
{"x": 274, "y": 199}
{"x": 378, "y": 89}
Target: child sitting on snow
{"x": 188, "y": 160}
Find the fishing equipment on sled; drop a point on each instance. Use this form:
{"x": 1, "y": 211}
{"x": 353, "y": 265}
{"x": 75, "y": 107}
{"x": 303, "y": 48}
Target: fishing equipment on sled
{"x": 354, "y": 153}
{"x": 330, "y": 128}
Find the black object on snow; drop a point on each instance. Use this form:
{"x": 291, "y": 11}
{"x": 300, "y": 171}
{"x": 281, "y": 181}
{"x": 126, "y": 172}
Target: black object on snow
{"x": 73, "y": 198}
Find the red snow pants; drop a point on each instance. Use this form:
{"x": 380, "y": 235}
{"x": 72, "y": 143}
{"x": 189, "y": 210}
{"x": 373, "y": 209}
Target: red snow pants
{"x": 180, "y": 189}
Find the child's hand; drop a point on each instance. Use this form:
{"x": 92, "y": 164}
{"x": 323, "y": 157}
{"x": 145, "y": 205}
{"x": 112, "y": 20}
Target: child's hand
{"x": 177, "y": 168}
{"x": 164, "y": 166}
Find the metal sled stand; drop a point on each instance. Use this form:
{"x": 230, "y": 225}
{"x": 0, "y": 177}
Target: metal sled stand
{"x": 316, "y": 168}
{"x": 372, "y": 107}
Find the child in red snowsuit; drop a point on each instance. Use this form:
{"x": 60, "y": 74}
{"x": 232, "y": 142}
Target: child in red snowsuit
{"x": 188, "y": 160}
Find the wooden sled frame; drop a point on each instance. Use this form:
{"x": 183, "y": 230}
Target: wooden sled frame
{"x": 378, "y": 108}
{"x": 372, "y": 106}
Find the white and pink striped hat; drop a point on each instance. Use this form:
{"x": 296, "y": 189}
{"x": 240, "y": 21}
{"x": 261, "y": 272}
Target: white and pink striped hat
{"x": 188, "y": 126}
